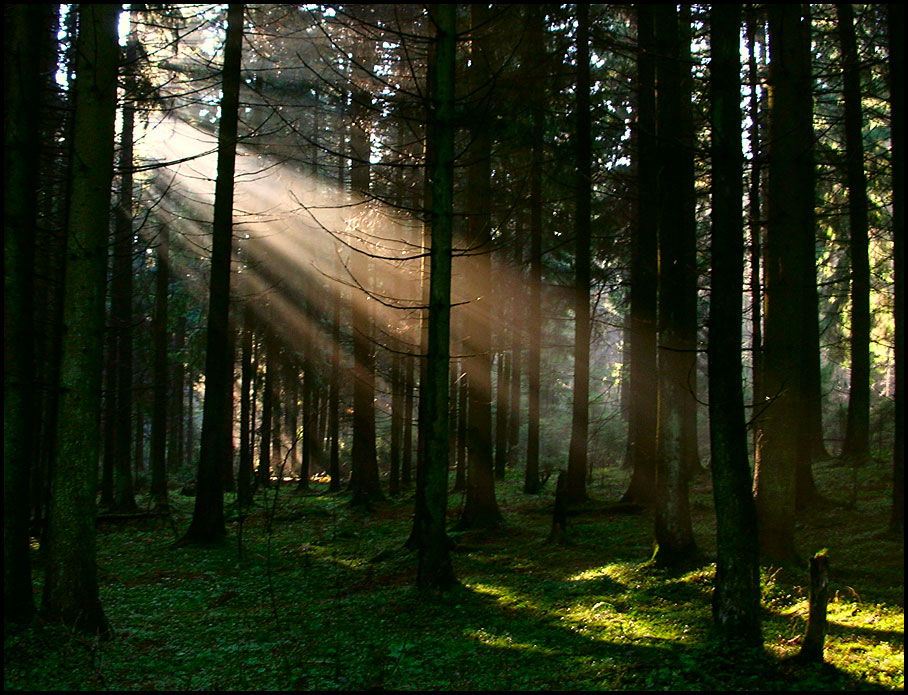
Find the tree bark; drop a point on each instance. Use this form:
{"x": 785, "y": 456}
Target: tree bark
{"x": 71, "y": 585}
{"x": 580, "y": 416}
{"x": 534, "y": 318}
{"x": 790, "y": 159}
{"x": 856, "y": 448}
{"x": 159, "y": 408}
{"x": 673, "y": 528}
{"x": 25, "y": 36}
{"x": 736, "y": 595}
{"x": 207, "y": 524}
{"x": 641, "y": 445}
{"x": 897, "y": 130}
{"x": 435, "y": 573}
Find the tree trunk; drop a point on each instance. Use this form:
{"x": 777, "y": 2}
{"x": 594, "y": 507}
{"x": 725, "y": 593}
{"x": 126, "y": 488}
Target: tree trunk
{"x": 246, "y": 474}
{"x": 25, "y": 36}
{"x": 817, "y": 601}
{"x": 856, "y": 448}
{"x": 641, "y": 438}
{"x": 755, "y": 221}
{"x": 736, "y": 595}
{"x": 897, "y": 129}
{"x": 535, "y": 33}
{"x": 435, "y": 573}
{"x": 781, "y": 421}
{"x": 687, "y": 250}
{"x": 121, "y": 290}
{"x": 674, "y": 532}
{"x": 159, "y": 408}
{"x": 207, "y": 524}
{"x": 364, "y": 476}
{"x": 481, "y": 508}
{"x": 71, "y": 585}
{"x": 580, "y": 417}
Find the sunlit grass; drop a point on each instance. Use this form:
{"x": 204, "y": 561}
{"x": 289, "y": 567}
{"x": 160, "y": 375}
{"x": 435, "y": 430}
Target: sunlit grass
{"x": 328, "y": 602}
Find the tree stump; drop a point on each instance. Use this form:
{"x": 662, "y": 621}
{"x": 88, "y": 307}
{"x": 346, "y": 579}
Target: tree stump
{"x": 559, "y": 515}
{"x": 814, "y": 638}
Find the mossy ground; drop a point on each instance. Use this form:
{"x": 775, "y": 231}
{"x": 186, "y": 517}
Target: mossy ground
{"x": 326, "y": 601}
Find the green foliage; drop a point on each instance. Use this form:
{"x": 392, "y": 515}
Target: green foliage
{"x": 329, "y": 603}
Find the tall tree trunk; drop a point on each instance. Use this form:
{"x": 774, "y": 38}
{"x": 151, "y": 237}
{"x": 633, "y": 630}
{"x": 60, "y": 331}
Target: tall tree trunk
{"x": 856, "y": 448}
{"x": 364, "y": 476}
{"x": 789, "y": 157}
{"x": 641, "y": 444}
{"x": 176, "y": 450}
{"x": 246, "y": 474}
{"x": 810, "y": 442}
{"x": 674, "y": 532}
{"x": 71, "y": 585}
{"x": 687, "y": 251}
{"x": 207, "y": 524}
{"x": 121, "y": 290}
{"x": 435, "y": 573}
{"x": 531, "y": 484}
{"x": 580, "y": 415}
{"x": 25, "y": 36}
{"x": 481, "y": 507}
{"x": 264, "y": 468}
{"x": 897, "y": 130}
{"x": 159, "y": 408}
{"x": 754, "y": 215}
{"x": 736, "y": 596}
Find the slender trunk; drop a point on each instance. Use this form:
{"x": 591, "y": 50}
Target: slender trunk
{"x": 577, "y": 457}
{"x": 246, "y": 474}
{"x": 207, "y": 524}
{"x": 897, "y": 129}
{"x": 857, "y": 433}
{"x": 121, "y": 303}
{"x": 531, "y": 484}
{"x": 644, "y": 277}
{"x": 159, "y": 408}
{"x": 435, "y": 573}
{"x": 755, "y": 222}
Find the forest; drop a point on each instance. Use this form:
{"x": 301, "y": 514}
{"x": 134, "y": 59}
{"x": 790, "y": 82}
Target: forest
{"x": 453, "y": 347}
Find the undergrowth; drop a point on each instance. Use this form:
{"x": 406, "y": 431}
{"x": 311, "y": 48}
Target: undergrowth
{"x": 326, "y": 602}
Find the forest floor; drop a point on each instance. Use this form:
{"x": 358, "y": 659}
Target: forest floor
{"x": 322, "y": 598}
